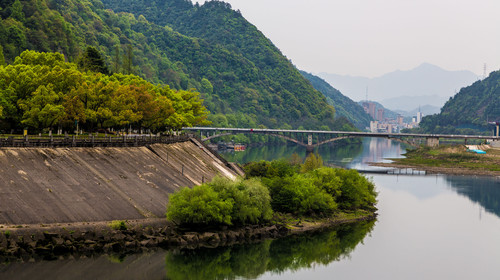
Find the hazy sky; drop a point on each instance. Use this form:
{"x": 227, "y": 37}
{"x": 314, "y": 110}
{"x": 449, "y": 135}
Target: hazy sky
{"x": 373, "y": 37}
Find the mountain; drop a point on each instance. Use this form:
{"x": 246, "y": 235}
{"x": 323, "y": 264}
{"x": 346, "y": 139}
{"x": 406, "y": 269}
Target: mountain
{"x": 469, "y": 110}
{"x": 344, "y": 106}
{"x": 426, "y": 80}
{"x": 244, "y": 79}
{"x": 426, "y": 110}
{"x": 410, "y": 103}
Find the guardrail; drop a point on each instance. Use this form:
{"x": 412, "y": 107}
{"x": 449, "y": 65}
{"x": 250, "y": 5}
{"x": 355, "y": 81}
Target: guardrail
{"x": 89, "y": 141}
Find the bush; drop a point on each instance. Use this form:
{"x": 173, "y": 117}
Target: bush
{"x": 199, "y": 205}
{"x": 356, "y": 191}
{"x": 221, "y": 202}
{"x": 297, "y": 194}
{"x": 316, "y": 189}
{"x": 118, "y": 225}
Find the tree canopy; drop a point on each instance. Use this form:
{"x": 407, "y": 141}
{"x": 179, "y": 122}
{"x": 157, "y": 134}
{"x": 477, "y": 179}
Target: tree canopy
{"x": 41, "y": 90}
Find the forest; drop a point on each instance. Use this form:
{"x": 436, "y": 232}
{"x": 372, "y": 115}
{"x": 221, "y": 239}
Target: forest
{"x": 210, "y": 49}
{"x": 41, "y": 91}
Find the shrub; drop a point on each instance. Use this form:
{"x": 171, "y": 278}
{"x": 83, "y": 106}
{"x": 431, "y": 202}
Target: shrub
{"x": 199, "y": 205}
{"x": 221, "y": 202}
{"x": 312, "y": 162}
{"x": 356, "y": 191}
{"x": 297, "y": 194}
{"x": 118, "y": 225}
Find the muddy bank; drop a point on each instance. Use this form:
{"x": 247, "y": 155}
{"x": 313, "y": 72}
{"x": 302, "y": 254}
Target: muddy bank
{"x": 46, "y": 242}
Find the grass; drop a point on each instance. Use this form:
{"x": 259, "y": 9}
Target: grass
{"x": 452, "y": 157}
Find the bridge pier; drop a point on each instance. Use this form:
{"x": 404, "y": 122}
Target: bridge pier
{"x": 309, "y": 149}
{"x": 432, "y": 141}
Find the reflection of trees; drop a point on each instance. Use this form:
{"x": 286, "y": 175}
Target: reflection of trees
{"x": 483, "y": 190}
{"x": 333, "y": 152}
{"x": 251, "y": 260}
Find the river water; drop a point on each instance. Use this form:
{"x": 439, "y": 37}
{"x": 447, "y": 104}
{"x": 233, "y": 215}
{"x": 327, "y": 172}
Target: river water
{"x": 429, "y": 227}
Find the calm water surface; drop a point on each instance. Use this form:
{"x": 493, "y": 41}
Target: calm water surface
{"x": 429, "y": 227}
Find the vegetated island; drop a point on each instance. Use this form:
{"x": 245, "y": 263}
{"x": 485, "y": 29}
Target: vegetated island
{"x": 450, "y": 159}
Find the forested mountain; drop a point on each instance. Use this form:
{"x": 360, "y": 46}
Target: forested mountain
{"x": 344, "y": 106}
{"x": 243, "y": 78}
{"x": 469, "y": 110}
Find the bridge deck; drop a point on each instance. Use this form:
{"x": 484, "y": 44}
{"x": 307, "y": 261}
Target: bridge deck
{"x": 345, "y": 133}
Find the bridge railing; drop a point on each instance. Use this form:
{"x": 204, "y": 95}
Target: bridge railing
{"x": 90, "y": 141}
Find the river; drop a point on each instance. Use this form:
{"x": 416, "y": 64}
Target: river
{"x": 429, "y": 227}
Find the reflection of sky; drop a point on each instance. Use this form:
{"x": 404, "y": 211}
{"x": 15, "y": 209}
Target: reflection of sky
{"x": 421, "y": 187}
{"x": 376, "y": 150}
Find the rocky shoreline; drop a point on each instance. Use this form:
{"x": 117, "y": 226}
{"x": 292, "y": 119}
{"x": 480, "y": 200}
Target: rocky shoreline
{"x": 48, "y": 242}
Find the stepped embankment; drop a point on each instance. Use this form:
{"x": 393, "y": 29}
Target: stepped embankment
{"x": 74, "y": 185}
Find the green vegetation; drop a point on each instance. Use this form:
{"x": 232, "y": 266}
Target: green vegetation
{"x": 344, "y": 106}
{"x": 118, "y": 225}
{"x": 250, "y": 261}
{"x": 469, "y": 111}
{"x": 42, "y": 91}
{"x": 221, "y": 202}
{"x": 315, "y": 191}
{"x": 242, "y": 77}
{"x": 452, "y": 157}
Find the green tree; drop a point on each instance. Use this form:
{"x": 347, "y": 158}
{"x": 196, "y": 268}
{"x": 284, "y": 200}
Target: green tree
{"x": 2, "y": 58}
{"x": 206, "y": 86}
{"x": 92, "y": 60}
{"x": 17, "y": 11}
{"x": 312, "y": 162}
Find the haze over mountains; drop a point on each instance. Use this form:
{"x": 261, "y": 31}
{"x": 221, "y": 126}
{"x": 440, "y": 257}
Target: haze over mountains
{"x": 426, "y": 84}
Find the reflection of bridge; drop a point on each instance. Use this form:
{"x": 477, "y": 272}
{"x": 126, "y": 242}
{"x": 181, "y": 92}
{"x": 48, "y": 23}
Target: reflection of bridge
{"x": 305, "y": 137}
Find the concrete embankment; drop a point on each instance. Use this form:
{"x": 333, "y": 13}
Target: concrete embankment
{"x": 69, "y": 185}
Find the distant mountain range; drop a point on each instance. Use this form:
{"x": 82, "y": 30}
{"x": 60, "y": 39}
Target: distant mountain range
{"x": 426, "y": 84}
{"x": 426, "y": 110}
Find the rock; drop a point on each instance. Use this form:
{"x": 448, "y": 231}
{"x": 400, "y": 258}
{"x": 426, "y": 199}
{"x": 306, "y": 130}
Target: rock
{"x": 57, "y": 241}
{"x": 130, "y": 244}
{"x": 191, "y": 238}
{"x": 49, "y": 235}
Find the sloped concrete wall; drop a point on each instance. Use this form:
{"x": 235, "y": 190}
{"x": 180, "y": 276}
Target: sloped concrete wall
{"x": 58, "y": 185}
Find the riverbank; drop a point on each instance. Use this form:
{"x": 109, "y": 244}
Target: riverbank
{"x": 53, "y": 241}
{"x": 453, "y": 160}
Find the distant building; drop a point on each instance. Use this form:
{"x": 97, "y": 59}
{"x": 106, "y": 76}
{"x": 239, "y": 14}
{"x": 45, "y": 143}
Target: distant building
{"x": 419, "y": 116}
{"x": 400, "y": 120}
{"x": 374, "y": 126}
{"x": 370, "y": 109}
{"x": 380, "y": 114}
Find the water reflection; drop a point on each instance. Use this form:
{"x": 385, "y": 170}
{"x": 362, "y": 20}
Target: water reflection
{"x": 334, "y": 153}
{"x": 275, "y": 256}
{"x": 482, "y": 190}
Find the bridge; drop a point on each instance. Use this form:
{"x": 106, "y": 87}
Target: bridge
{"x": 305, "y": 137}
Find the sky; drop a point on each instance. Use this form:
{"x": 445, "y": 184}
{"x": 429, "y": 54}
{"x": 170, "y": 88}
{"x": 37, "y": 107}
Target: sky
{"x": 373, "y": 37}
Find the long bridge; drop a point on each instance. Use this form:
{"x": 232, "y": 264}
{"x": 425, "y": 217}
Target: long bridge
{"x": 306, "y": 137}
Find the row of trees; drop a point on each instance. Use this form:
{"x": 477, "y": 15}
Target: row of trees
{"x": 41, "y": 90}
